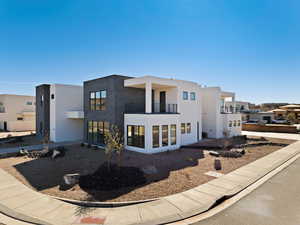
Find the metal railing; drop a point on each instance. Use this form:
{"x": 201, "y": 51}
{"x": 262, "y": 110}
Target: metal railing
{"x": 165, "y": 108}
{"x": 158, "y": 108}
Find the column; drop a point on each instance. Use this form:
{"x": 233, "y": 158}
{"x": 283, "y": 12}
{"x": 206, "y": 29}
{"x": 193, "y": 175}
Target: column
{"x": 148, "y": 97}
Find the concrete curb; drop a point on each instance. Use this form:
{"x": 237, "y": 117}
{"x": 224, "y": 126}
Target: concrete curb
{"x": 103, "y": 204}
{"x": 167, "y": 209}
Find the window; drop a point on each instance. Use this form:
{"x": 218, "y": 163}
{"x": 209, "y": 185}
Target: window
{"x": 234, "y": 123}
{"x": 98, "y": 100}
{"x": 155, "y": 136}
{"x": 28, "y": 103}
{"x": 52, "y": 96}
{"x": 136, "y": 136}
{"x": 239, "y": 123}
{"x": 185, "y": 95}
{"x": 2, "y": 108}
{"x": 188, "y": 128}
{"x": 96, "y": 132}
{"x": 20, "y": 118}
{"x": 183, "y": 128}
{"x": 173, "y": 134}
{"x": 92, "y": 101}
{"x": 230, "y": 123}
{"x": 165, "y": 135}
{"x": 193, "y": 96}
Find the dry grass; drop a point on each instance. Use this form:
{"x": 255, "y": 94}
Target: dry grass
{"x": 178, "y": 171}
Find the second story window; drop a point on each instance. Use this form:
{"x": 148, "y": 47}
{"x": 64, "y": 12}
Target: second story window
{"x": 2, "y": 108}
{"x": 185, "y": 95}
{"x": 193, "y": 96}
{"x": 28, "y": 103}
{"x": 98, "y": 100}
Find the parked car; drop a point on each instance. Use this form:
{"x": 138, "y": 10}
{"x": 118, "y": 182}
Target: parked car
{"x": 280, "y": 121}
{"x": 252, "y": 122}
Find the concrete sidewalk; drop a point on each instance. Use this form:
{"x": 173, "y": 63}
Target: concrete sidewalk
{"x": 21, "y": 202}
{"x": 273, "y": 135}
{"x": 276, "y": 202}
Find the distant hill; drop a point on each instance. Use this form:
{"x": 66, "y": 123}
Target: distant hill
{"x": 268, "y": 106}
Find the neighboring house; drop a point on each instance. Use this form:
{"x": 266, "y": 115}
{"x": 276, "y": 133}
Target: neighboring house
{"x": 17, "y": 112}
{"x": 260, "y": 117}
{"x": 154, "y": 114}
{"x": 284, "y": 111}
{"x": 217, "y": 120}
{"x": 59, "y": 110}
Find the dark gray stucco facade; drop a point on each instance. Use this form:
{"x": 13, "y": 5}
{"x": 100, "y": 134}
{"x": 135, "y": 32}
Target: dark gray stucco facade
{"x": 119, "y": 100}
{"x": 43, "y": 110}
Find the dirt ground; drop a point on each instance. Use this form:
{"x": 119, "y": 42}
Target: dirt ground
{"x": 178, "y": 171}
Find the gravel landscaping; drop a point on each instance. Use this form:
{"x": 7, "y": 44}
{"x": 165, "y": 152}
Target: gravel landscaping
{"x": 166, "y": 173}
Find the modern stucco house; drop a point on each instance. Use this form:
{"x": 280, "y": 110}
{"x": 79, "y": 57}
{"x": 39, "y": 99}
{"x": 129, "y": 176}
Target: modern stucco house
{"x": 17, "y": 112}
{"x": 155, "y": 114}
{"x": 59, "y": 110}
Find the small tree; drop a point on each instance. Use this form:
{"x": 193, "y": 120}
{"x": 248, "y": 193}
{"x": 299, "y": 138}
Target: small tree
{"x": 291, "y": 118}
{"x": 114, "y": 144}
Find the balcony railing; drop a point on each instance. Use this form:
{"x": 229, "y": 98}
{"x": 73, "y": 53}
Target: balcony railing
{"x": 157, "y": 108}
{"x": 165, "y": 108}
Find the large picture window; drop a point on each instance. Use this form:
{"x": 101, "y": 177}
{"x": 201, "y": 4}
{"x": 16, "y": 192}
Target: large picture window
{"x": 98, "y": 100}
{"x": 155, "y": 136}
{"x": 136, "y": 136}
{"x": 165, "y": 135}
{"x": 173, "y": 134}
{"x": 96, "y": 132}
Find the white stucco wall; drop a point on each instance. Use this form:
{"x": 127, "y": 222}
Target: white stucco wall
{"x": 214, "y": 122}
{"x": 66, "y": 98}
{"x": 16, "y": 107}
{"x": 189, "y": 112}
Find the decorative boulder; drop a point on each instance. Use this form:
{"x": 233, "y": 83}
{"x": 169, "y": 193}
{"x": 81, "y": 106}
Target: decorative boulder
{"x": 55, "y": 154}
{"x": 71, "y": 179}
{"x": 214, "y": 153}
{"x": 218, "y": 165}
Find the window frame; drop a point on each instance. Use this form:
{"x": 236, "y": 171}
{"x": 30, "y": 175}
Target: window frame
{"x": 183, "y": 128}
{"x": 193, "y": 96}
{"x": 185, "y": 95}
{"x": 138, "y": 139}
{"x": 165, "y": 135}
{"x": 155, "y": 139}
{"x": 173, "y": 138}
{"x": 188, "y": 128}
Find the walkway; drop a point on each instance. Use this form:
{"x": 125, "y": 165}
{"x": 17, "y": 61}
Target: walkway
{"x": 276, "y": 202}
{"x": 19, "y": 201}
{"x": 273, "y": 135}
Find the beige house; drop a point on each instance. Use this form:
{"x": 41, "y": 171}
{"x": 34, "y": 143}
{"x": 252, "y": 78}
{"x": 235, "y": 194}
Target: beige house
{"x": 17, "y": 112}
{"x": 284, "y": 111}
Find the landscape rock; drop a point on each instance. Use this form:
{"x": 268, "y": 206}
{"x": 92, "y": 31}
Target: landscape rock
{"x": 55, "y": 153}
{"x": 71, "y": 179}
{"x": 214, "y": 153}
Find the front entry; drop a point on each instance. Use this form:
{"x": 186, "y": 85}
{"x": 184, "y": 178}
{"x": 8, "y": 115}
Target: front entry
{"x": 162, "y": 101}
{"x": 5, "y": 126}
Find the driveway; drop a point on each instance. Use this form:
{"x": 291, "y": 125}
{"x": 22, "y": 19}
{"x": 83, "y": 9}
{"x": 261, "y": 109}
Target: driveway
{"x": 276, "y": 202}
{"x": 273, "y": 135}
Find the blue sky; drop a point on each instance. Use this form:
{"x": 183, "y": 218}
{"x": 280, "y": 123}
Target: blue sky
{"x": 250, "y": 47}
